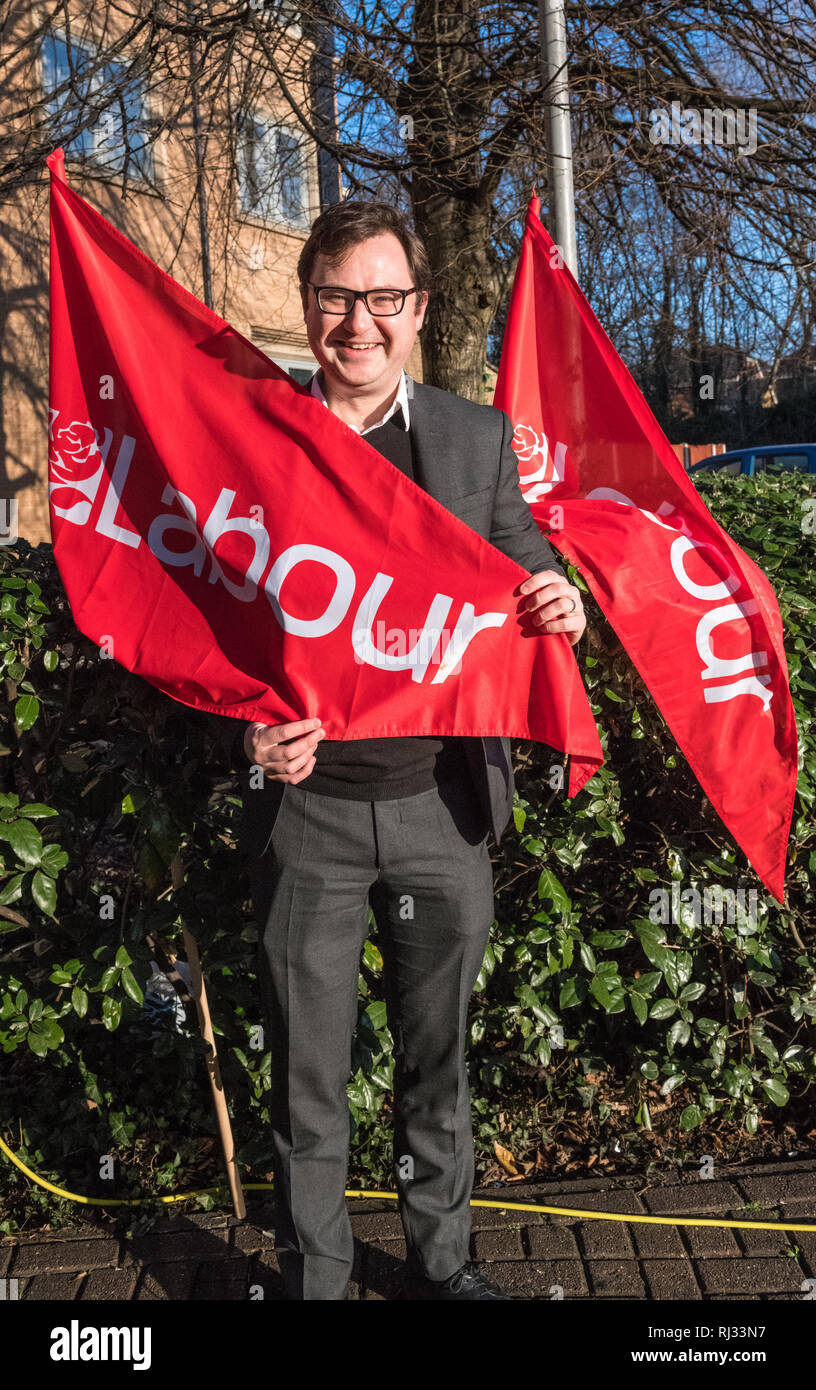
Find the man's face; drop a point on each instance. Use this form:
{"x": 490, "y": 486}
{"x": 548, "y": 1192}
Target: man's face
{"x": 360, "y": 350}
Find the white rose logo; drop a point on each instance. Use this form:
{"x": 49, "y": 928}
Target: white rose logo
{"x": 527, "y": 444}
{"x": 73, "y": 446}
{"x": 76, "y": 461}
{"x": 532, "y": 447}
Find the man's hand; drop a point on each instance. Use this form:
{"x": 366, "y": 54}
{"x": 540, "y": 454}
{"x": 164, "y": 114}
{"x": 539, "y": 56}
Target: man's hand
{"x": 280, "y": 750}
{"x": 555, "y": 604}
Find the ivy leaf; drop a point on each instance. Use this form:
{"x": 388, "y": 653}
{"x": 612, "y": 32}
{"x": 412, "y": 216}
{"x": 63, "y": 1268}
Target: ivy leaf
{"x": 377, "y": 1014}
{"x": 549, "y": 887}
{"x": 639, "y": 1006}
{"x": 37, "y": 1043}
{"x": 13, "y": 889}
{"x": 663, "y": 1008}
{"x": 683, "y": 965}
{"x": 764, "y": 1044}
{"x": 120, "y": 1131}
{"x": 49, "y": 1029}
{"x": 111, "y": 1013}
{"x": 611, "y": 827}
{"x": 44, "y": 893}
{"x": 26, "y": 709}
{"x": 657, "y": 954}
{"x": 775, "y": 1091}
{"x": 53, "y": 859}
{"x": 597, "y": 987}
{"x": 372, "y": 957}
{"x": 587, "y": 957}
{"x": 24, "y": 839}
{"x": 131, "y": 986}
{"x": 569, "y": 995}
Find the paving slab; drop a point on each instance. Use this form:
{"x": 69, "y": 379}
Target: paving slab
{"x": 551, "y": 1243}
{"x": 657, "y": 1242}
{"x": 52, "y": 1256}
{"x": 179, "y": 1245}
{"x": 622, "y": 1278}
{"x": 669, "y": 1280}
{"x": 166, "y": 1283}
{"x": 108, "y": 1285}
{"x": 750, "y": 1276}
{"x": 50, "y": 1287}
{"x": 606, "y": 1240}
{"x": 212, "y": 1256}
{"x": 700, "y": 1198}
{"x": 706, "y": 1242}
{"x": 782, "y": 1187}
{"x": 497, "y": 1245}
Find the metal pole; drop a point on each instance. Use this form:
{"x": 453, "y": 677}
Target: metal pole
{"x": 198, "y": 145}
{"x": 324, "y": 102}
{"x": 552, "y": 31}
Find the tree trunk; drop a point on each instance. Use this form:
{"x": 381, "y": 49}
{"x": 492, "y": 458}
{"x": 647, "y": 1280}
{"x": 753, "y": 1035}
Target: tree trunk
{"x": 464, "y": 296}
{"x": 452, "y": 191}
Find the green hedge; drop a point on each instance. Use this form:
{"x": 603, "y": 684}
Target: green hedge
{"x": 597, "y": 1034}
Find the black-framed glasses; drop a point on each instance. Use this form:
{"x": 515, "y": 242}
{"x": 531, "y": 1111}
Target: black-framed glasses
{"x": 380, "y": 303}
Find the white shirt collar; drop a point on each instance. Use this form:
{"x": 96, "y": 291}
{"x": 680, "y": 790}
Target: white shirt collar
{"x": 400, "y": 401}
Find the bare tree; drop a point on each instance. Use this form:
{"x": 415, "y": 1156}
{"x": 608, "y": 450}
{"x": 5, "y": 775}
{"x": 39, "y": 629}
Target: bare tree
{"x": 440, "y": 107}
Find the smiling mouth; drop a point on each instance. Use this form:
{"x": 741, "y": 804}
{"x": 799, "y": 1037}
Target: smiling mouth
{"x": 359, "y": 347}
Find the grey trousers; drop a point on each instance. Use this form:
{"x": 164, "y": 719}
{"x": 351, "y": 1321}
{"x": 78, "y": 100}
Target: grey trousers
{"x": 423, "y": 865}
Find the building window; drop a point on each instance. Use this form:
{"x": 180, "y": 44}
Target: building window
{"x": 111, "y": 106}
{"x": 297, "y": 361}
{"x": 283, "y": 13}
{"x": 300, "y": 371}
{"x": 272, "y": 172}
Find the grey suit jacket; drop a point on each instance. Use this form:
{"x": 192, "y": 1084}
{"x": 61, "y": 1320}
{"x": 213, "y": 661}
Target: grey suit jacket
{"x": 465, "y": 460}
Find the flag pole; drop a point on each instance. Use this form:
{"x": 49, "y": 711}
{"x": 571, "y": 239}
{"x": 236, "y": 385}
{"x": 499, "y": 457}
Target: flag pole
{"x": 198, "y": 148}
{"x": 552, "y": 34}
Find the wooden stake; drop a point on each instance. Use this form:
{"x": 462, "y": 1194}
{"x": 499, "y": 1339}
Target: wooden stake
{"x": 213, "y": 1069}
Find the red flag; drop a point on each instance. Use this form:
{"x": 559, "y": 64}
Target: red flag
{"x": 696, "y": 615}
{"x": 222, "y": 534}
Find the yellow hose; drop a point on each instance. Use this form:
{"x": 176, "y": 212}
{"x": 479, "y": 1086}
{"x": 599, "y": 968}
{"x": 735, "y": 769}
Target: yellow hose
{"x": 393, "y": 1196}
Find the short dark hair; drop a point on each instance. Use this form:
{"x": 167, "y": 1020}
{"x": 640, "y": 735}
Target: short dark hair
{"x": 344, "y": 225}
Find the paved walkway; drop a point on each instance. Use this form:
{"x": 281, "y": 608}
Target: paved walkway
{"x": 212, "y": 1256}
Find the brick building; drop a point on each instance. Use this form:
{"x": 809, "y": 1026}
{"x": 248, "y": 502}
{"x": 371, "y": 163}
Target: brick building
{"x": 222, "y": 203}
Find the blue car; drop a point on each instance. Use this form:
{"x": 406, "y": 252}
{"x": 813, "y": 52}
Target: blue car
{"x": 765, "y": 458}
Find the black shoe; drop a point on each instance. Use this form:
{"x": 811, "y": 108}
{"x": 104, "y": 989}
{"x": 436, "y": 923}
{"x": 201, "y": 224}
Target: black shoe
{"x": 466, "y": 1282}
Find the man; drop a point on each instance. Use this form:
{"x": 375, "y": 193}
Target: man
{"x": 397, "y": 823}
